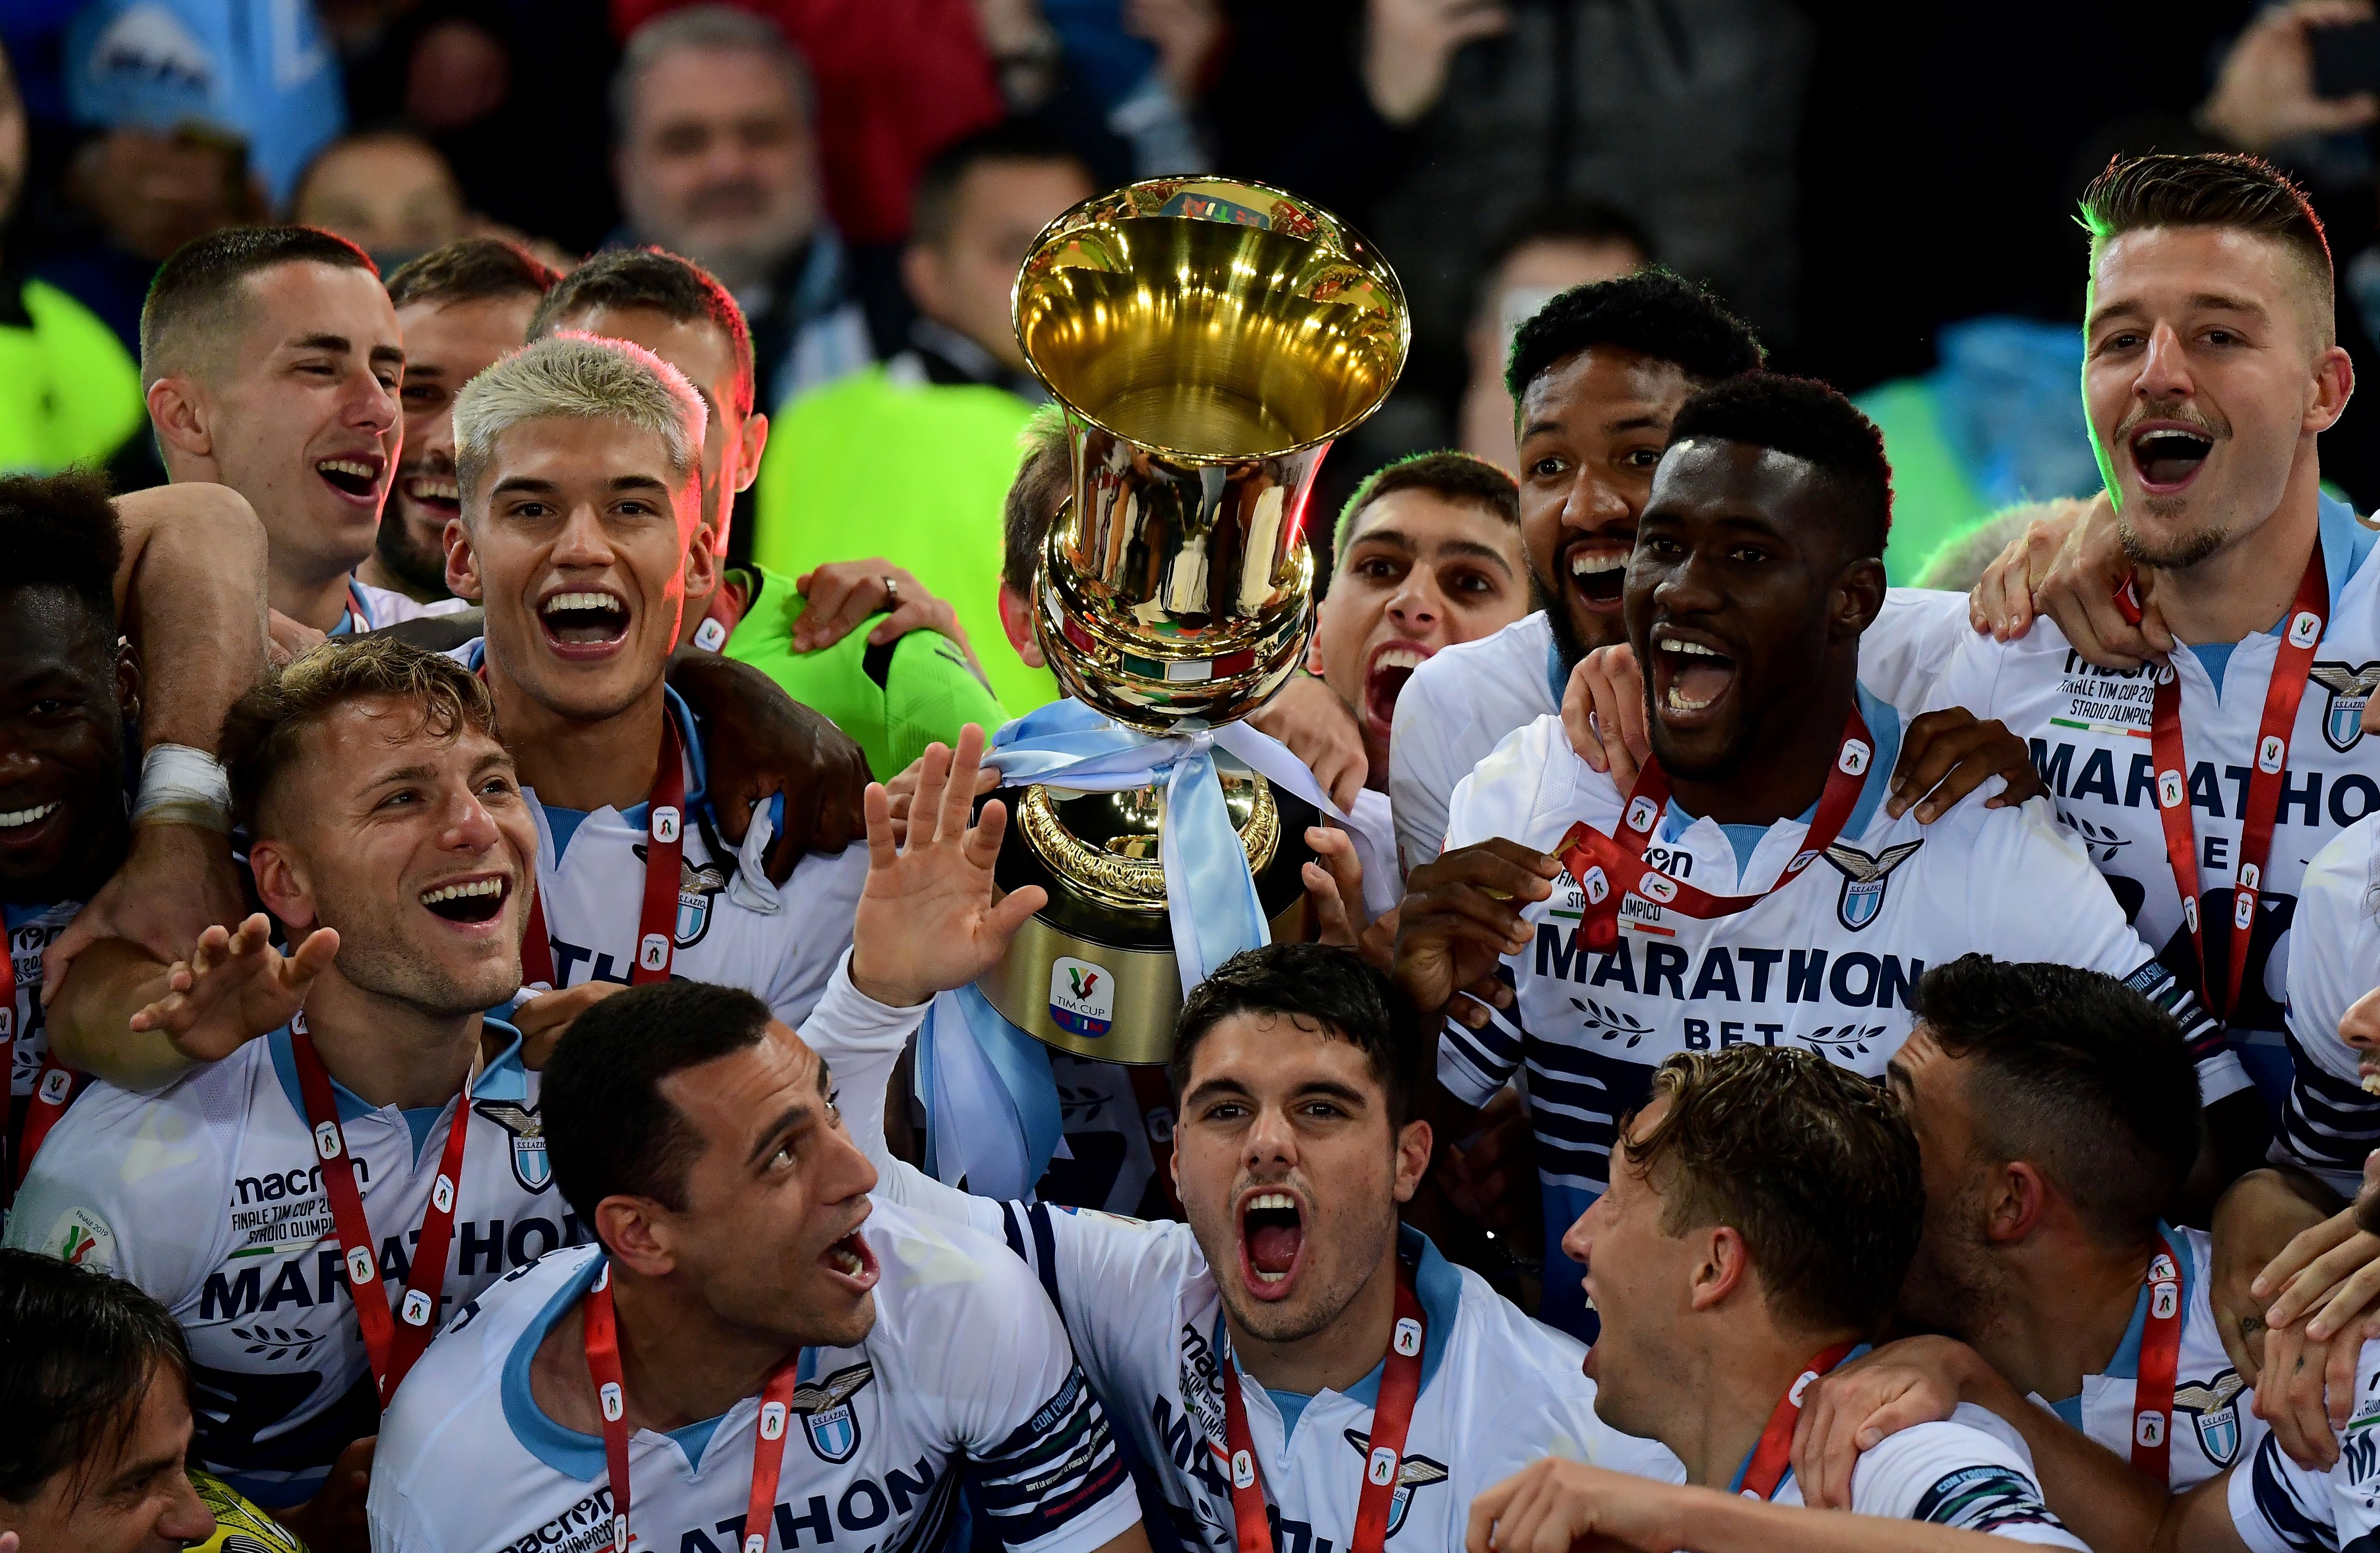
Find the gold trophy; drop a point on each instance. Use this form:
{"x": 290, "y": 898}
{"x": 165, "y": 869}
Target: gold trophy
{"x": 1207, "y": 339}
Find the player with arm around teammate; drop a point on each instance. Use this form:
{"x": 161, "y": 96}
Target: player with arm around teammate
{"x": 1269, "y": 1323}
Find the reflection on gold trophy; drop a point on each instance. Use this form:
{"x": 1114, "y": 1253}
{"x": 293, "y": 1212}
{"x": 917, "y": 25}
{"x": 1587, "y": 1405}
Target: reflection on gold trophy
{"x": 1207, "y": 340}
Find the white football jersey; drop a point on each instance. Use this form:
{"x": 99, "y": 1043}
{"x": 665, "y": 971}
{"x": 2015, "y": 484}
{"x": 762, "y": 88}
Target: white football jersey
{"x": 1498, "y": 1389}
{"x": 592, "y": 882}
{"x": 208, "y": 1194}
{"x": 1828, "y": 963}
{"x": 2329, "y": 1123}
{"x": 385, "y": 606}
{"x": 31, "y": 931}
{"x": 1971, "y": 1472}
{"x": 2089, "y": 729}
{"x": 1464, "y": 699}
{"x": 965, "y": 1373}
{"x": 2280, "y": 1506}
{"x": 2215, "y": 1423}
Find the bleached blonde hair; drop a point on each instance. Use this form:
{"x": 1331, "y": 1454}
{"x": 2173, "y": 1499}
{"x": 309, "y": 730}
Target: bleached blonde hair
{"x": 574, "y": 376}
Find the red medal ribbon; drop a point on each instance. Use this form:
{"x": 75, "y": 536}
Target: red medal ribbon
{"x": 392, "y": 1344}
{"x": 1400, "y": 1387}
{"x": 664, "y": 861}
{"x": 611, "y": 1395}
{"x": 2301, "y": 635}
{"x": 1608, "y": 868}
{"x": 1774, "y": 1454}
{"x": 52, "y": 1091}
{"x": 2160, "y": 1359}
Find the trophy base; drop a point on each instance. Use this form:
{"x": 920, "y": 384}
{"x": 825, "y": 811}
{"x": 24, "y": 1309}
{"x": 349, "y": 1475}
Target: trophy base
{"x": 1096, "y": 980}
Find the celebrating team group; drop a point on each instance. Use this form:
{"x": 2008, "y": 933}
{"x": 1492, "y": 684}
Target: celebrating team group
{"x": 467, "y": 1057}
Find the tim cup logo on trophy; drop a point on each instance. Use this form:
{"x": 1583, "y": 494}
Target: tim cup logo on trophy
{"x": 1207, "y": 339}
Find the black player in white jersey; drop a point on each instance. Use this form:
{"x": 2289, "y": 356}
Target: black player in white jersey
{"x": 1728, "y": 1283}
{"x": 360, "y": 1150}
{"x": 1754, "y": 578}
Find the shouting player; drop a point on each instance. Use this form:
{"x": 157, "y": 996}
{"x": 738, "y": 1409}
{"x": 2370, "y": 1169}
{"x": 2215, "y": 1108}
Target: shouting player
{"x": 1753, "y": 887}
{"x": 583, "y": 536}
{"x": 1269, "y": 1324}
{"x": 756, "y": 1355}
{"x": 308, "y": 1204}
{"x": 1727, "y": 1285}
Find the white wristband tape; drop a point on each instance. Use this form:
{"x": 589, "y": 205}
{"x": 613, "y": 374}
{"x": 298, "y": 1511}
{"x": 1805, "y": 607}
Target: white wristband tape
{"x": 183, "y": 786}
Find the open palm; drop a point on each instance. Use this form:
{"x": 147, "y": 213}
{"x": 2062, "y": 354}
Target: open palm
{"x": 930, "y": 917}
{"x": 233, "y": 988}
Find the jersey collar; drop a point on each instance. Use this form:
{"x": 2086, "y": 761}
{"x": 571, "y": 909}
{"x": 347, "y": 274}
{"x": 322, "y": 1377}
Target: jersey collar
{"x": 1439, "y": 1287}
{"x": 2126, "y": 1365}
{"x": 566, "y": 1450}
{"x": 475, "y": 658}
{"x": 2345, "y": 543}
{"x": 503, "y": 1079}
{"x": 1736, "y": 1485}
{"x": 1883, "y": 727}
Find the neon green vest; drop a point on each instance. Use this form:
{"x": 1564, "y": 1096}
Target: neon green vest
{"x": 70, "y": 393}
{"x": 894, "y": 700}
{"x": 916, "y": 474}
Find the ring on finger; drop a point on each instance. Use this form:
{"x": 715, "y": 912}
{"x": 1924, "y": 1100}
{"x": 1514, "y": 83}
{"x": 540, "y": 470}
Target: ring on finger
{"x": 892, "y": 591}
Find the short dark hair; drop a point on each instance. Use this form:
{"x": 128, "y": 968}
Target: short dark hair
{"x": 263, "y": 733}
{"x": 2228, "y": 189}
{"x": 933, "y": 203}
{"x": 2076, "y": 1073}
{"x": 1350, "y": 998}
{"x": 198, "y": 289}
{"x": 1045, "y": 478}
{"x": 470, "y": 270}
{"x": 1653, "y": 312}
{"x": 1815, "y": 1166}
{"x": 610, "y": 1132}
{"x": 79, "y": 1350}
{"x": 678, "y": 289}
{"x": 61, "y": 532}
{"x": 1806, "y": 419}
{"x": 1458, "y": 477}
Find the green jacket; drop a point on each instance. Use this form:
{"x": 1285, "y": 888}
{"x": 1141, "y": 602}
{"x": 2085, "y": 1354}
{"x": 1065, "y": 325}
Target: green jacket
{"x": 70, "y": 393}
{"x": 893, "y": 699}
{"x": 915, "y": 473}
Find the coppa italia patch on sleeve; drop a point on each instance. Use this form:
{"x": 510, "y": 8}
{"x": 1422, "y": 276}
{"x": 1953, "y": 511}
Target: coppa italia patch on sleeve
{"x": 1979, "y": 1499}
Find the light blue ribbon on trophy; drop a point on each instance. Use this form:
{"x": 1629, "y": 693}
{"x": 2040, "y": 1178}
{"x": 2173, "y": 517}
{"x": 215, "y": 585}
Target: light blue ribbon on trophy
{"x": 992, "y": 1103}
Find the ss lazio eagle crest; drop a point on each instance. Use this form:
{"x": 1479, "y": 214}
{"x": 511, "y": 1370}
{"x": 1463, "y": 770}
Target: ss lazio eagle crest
{"x": 699, "y": 885}
{"x": 2212, "y": 1406}
{"x": 2350, "y": 687}
{"x": 1864, "y": 879}
{"x": 527, "y": 1130}
{"x": 825, "y": 1407}
{"x": 1415, "y": 1473}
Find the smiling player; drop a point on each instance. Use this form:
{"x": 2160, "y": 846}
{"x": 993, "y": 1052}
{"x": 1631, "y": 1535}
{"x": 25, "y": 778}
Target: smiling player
{"x": 271, "y": 358}
{"x": 390, "y": 841}
{"x": 583, "y": 535}
{"x": 1678, "y": 916}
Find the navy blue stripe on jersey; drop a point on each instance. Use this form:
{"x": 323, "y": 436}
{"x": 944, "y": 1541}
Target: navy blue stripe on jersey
{"x": 1045, "y": 1255}
{"x": 2277, "y": 1506}
{"x": 2329, "y": 1122}
{"x": 1983, "y": 1498}
{"x": 1058, "y": 1463}
{"x": 1016, "y": 1237}
{"x": 2205, "y": 1037}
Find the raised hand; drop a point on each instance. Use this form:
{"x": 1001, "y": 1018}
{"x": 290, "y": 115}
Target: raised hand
{"x": 233, "y": 988}
{"x": 930, "y": 917}
{"x": 1460, "y": 915}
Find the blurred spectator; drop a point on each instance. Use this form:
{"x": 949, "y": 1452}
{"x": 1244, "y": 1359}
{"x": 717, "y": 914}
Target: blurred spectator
{"x": 260, "y": 74}
{"x": 916, "y": 456}
{"x": 1447, "y": 118}
{"x": 69, "y": 391}
{"x": 501, "y": 88}
{"x": 718, "y": 163}
{"x": 896, "y": 81}
{"x": 1126, "y": 72}
{"x": 388, "y": 192}
{"x": 1998, "y": 421}
{"x": 1549, "y": 250}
